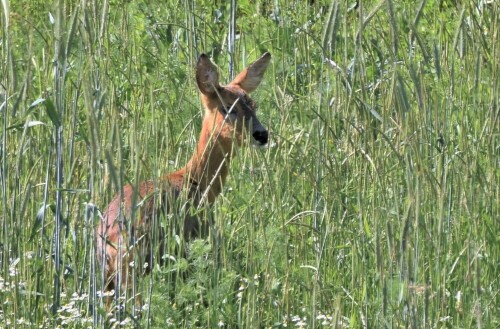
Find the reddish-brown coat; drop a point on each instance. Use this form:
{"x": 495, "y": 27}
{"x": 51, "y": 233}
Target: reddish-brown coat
{"x": 202, "y": 178}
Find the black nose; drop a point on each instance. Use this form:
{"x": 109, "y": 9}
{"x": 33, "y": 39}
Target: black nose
{"x": 261, "y": 136}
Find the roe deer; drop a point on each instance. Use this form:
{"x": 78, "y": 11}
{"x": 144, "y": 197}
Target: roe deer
{"x": 230, "y": 116}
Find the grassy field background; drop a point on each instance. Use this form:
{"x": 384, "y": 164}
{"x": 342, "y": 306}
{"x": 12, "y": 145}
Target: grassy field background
{"x": 376, "y": 204}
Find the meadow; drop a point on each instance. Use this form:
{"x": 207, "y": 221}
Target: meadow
{"x": 375, "y": 205}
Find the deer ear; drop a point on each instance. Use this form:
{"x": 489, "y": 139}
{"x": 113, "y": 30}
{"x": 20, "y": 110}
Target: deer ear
{"x": 250, "y": 78}
{"x": 207, "y": 76}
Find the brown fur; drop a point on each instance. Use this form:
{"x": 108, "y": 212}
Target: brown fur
{"x": 201, "y": 179}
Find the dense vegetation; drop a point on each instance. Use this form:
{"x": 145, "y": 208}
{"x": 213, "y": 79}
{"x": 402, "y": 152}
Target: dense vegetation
{"x": 376, "y": 204}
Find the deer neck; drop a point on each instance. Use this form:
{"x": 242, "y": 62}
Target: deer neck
{"x": 209, "y": 165}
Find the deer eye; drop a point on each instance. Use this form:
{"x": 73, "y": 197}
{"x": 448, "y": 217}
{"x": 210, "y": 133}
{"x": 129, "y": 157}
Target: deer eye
{"x": 228, "y": 111}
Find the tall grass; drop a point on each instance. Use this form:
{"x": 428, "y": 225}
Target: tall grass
{"x": 376, "y": 204}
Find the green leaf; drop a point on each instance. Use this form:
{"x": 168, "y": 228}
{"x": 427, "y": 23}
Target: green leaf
{"x": 38, "y": 101}
{"x": 50, "y": 108}
{"x": 51, "y": 111}
{"x": 33, "y": 123}
{"x": 16, "y": 126}
{"x": 39, "y": 219}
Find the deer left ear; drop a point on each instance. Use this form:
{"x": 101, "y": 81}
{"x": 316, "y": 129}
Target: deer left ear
{"x": 207, "y": 76}
{"x": 250, "y": 78}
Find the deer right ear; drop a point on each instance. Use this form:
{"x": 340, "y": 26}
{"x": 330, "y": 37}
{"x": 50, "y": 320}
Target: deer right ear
{"x": 207, "y": 76}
